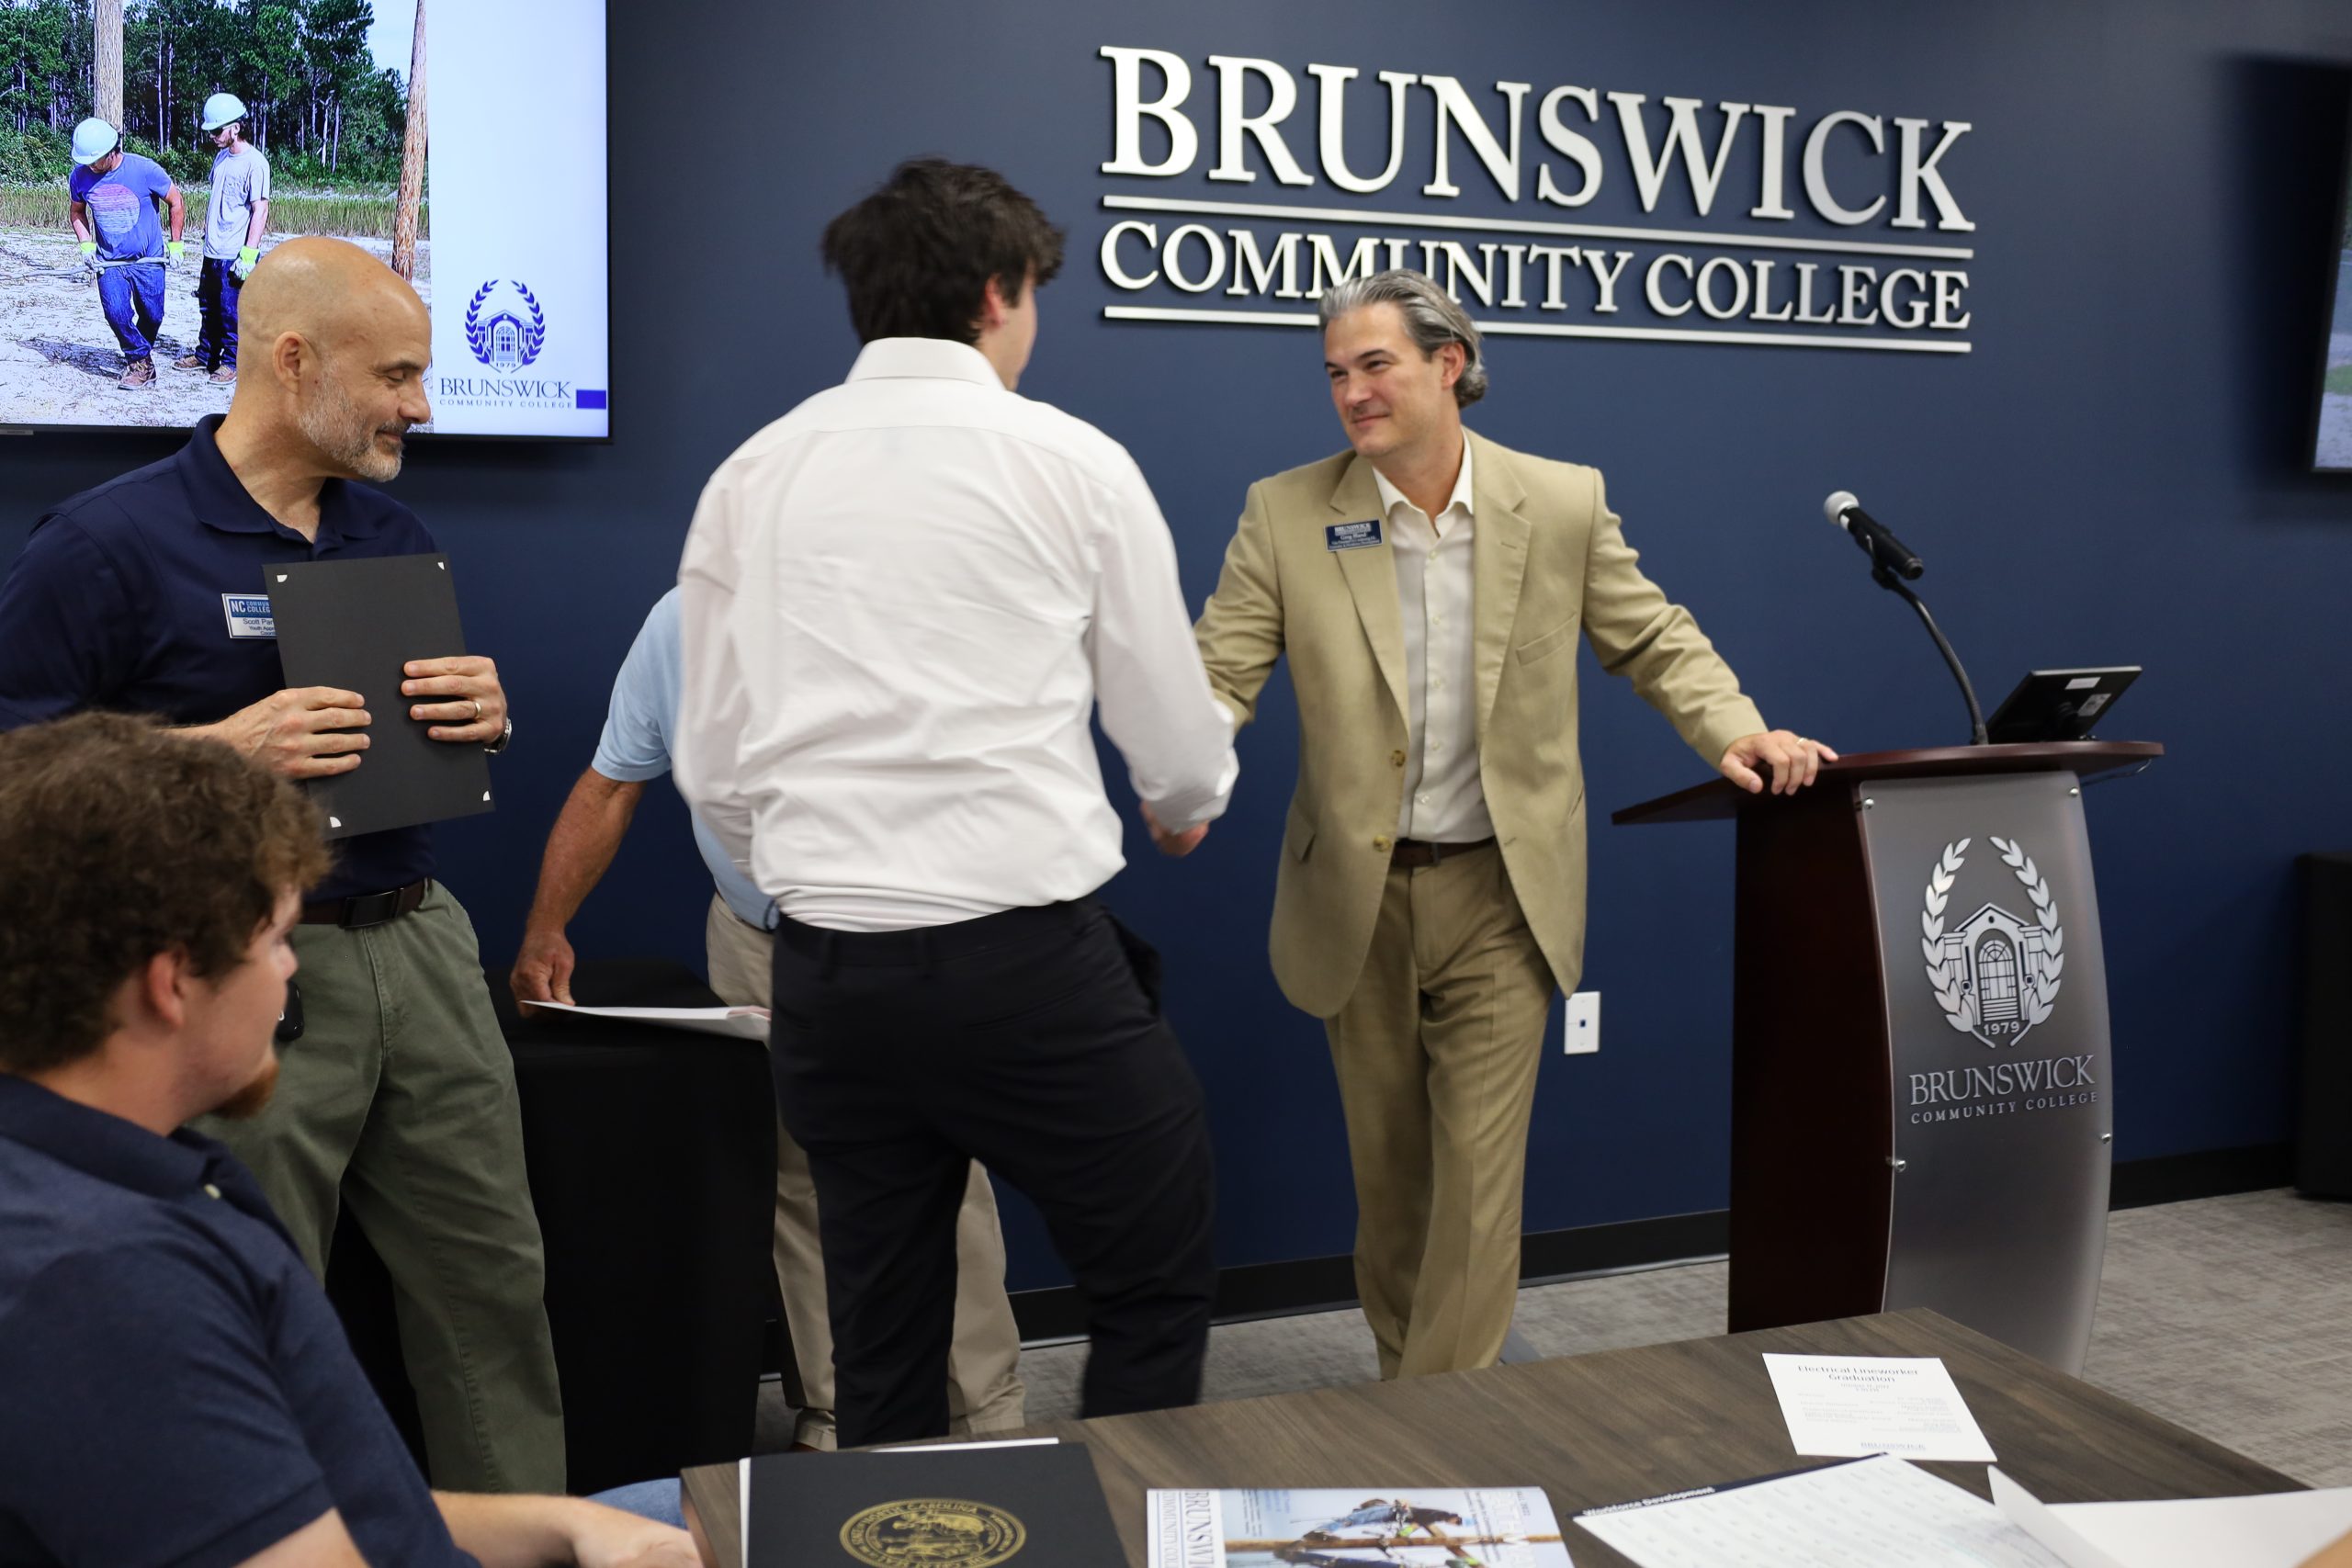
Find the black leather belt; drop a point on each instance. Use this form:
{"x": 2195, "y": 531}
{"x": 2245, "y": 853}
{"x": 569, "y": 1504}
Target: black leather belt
{"x": 1411, "y": 854}
{"x": 366, "y": 909}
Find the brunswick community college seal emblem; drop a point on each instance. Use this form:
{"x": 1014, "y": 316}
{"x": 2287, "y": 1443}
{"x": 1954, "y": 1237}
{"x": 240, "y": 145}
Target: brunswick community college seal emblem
{"x": 506, "y": 341}
{"x": 1994, "y": 974}
{"x": 934, "y": 1532}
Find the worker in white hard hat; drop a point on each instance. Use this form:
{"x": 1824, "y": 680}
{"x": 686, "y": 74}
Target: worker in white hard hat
{"x": 233, "y": 221}
{"x": 112, "y": 210}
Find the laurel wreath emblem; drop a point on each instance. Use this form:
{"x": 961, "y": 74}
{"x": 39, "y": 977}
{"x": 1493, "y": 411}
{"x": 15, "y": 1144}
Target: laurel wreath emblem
{"x": 1948, "y": 977}
{"x": 478, "y": 331}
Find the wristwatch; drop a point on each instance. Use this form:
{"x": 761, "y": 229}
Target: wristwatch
{"x": 506, "y": 738}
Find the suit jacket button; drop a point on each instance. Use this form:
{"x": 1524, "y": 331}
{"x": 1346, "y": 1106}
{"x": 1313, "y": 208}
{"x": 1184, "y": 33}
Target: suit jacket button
{"x": 1380, "y": 840}
{"x": 1395, "y": 759}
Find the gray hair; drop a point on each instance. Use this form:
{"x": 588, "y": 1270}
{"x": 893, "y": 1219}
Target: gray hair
{"x": 1432, "y": 319}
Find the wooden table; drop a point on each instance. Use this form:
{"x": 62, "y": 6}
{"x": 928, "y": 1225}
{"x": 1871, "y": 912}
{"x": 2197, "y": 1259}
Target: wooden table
{"x": 1617, "y": 1426}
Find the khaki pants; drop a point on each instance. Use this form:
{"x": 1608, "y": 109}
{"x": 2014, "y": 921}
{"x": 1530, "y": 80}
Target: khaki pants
{"x": 984, "y": 1386}
{"x": 399, "y": 1100}
{"x": 1436, "y": 1053}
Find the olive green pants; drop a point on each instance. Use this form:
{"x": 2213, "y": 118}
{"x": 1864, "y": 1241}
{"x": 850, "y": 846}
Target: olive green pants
{"x": 399, "y": 1100}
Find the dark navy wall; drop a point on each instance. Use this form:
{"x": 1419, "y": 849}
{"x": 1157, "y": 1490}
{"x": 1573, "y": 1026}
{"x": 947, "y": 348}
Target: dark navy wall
{"x": 2114, "y": 475}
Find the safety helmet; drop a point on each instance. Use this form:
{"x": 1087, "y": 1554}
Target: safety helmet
{"x": 93, "y": 140}
{"x": 222, "y": 107}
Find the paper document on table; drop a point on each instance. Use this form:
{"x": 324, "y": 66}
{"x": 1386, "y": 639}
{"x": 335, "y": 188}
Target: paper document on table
{"x": 1848, "y": 1406}
{"x": 1869, "y": 1513}
{"x": 2040, "y": 1520}
{"x": 2281, "y": 1530}
{"x": 1356, "y": 1526}
{"x": 965, "y": 1447}
{"x": 743, "y": 1024}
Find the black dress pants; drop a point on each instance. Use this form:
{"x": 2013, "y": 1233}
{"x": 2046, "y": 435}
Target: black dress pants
{"x": 1031, "y": 1041}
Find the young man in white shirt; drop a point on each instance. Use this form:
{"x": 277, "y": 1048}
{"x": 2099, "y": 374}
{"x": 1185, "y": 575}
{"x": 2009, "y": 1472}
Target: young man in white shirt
{"x": 902, "y": 603}
{"x": 639, "y": 740}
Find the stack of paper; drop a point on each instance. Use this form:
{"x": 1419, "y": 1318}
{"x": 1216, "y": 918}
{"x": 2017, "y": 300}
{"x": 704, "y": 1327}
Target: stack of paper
{"x": 1869, "y": 1513}
{"x": 1880, "y": 1512}
{"x": 2278, "y": 1530}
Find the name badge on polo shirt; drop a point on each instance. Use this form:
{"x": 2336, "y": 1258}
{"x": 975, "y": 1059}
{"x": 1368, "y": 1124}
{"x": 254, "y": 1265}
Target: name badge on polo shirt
{"x": 249, "y": 615}
{"x": 1353, "y": 535}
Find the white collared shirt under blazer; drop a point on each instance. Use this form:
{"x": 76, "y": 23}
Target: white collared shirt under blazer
{"x": 1436, "y": 593}
{"x": 902, "y": 602}
{"x": 1548, "y": 559}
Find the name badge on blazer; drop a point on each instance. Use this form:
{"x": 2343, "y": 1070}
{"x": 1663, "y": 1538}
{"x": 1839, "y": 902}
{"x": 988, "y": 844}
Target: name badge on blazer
{"x": 249, "y": 615}
{"x": 1353, "y": 535}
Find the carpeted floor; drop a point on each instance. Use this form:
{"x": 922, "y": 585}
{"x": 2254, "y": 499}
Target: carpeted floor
{"x": 2232, "y": 1316}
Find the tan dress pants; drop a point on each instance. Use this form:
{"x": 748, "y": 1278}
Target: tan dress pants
{"x": 984, "y": 1390}
{"x": 1436, "y": 1051}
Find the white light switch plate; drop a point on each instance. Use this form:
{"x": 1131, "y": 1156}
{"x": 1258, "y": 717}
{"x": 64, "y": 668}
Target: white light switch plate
{"x": 1582, "y": 1031}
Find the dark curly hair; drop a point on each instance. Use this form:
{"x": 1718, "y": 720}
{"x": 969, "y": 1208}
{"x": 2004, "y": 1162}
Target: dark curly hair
{"x": 919, "y": 253}
{"x": 119, "y": 841}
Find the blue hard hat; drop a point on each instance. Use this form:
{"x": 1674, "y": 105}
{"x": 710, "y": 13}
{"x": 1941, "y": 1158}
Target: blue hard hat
{"x": 93, "y": 140}
{"x": 222, "y": 107}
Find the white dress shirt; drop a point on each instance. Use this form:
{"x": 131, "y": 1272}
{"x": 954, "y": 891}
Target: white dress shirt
{"x": 902, "y": 602}
{"x": 1445, "y": 802}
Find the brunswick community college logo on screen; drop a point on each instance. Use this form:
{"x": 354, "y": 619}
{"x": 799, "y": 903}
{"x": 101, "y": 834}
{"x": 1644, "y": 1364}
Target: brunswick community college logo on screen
{"x": 1806, "y": 222}
{"x": 504, "y": 342}
{"x": 507, "y": 329}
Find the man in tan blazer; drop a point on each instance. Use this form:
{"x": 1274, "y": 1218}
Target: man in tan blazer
{"x": 1429, "y": 587}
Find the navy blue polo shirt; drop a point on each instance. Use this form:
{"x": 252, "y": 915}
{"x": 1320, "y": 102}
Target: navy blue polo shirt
{"x": 141, "y": 597}
{"x": 175, "y": 1390}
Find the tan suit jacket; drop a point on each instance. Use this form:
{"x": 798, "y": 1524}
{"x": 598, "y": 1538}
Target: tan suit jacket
{"x": 1548, "y": 559}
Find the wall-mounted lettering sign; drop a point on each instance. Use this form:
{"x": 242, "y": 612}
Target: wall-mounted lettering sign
{"x": 1862, "y": 284}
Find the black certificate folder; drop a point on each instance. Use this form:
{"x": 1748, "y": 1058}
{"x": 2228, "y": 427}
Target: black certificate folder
{"x": 357, "y": 624}
{"x": 1031, "y": 1507}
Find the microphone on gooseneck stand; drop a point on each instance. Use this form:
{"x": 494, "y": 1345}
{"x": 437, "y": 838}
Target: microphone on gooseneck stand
{"x": 1893, "y": 564}
{"x": 1876, "y": 539}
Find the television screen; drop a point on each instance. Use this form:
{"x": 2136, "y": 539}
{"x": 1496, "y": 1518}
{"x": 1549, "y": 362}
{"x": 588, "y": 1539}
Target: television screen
{"x": 2333, "y": 448}
{"x": 326, "y": 112}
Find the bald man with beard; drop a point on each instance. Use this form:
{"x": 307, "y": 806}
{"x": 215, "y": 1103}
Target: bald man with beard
{"x": 147, "y": 595}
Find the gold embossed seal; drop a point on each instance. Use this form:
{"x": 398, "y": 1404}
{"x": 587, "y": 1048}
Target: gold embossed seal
{"x": 934, "y": 1532}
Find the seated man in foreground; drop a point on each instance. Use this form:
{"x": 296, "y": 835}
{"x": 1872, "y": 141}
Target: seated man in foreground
{"x": 178, "y": 1389}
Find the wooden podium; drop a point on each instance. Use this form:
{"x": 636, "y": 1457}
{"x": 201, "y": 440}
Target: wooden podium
{"x": 1922, "y": 1113}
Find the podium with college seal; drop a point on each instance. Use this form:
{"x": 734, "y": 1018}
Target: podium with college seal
{"x": 1922, "y": 1110}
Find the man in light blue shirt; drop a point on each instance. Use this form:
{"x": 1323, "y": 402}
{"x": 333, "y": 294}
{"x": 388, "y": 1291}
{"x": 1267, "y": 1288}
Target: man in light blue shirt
{"x": 641, "y": 731}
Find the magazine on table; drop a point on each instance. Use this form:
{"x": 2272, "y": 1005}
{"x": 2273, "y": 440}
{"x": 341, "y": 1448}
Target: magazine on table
{"x": 1410, "y": 1527}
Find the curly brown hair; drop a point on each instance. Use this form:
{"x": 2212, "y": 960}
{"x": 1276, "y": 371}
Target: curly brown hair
{"x": 119, "y": 841}
{"x": 919, "y": 253}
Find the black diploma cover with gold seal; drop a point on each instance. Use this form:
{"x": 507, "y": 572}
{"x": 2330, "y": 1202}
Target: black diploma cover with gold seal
{"x": 1026, "y": 1508}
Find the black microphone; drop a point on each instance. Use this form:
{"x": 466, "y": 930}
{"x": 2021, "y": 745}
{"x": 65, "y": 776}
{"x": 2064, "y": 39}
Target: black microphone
{"x": 1876, "y": 539}
{"x": 1890, "y": 562}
